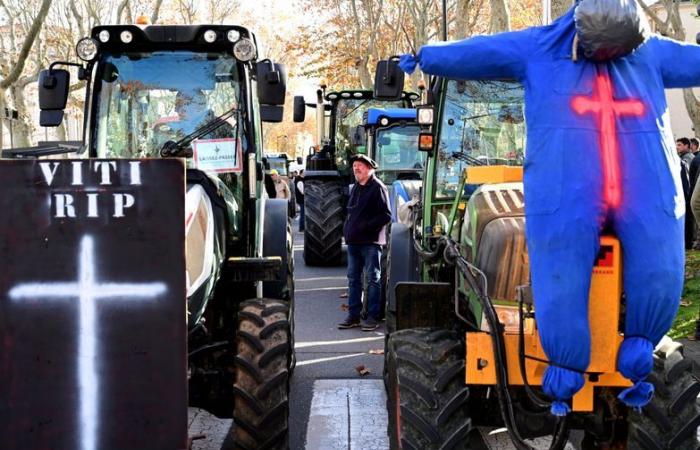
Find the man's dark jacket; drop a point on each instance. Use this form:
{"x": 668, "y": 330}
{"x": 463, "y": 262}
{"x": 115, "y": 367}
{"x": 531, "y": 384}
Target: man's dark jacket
{"x": 368, "y": 213}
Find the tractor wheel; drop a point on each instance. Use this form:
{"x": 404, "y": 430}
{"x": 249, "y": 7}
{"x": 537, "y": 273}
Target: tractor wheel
{"x": 261, "y": 389}
{"x": 671, "y": 419}
{"x": 324, "y": 210}
{"x": 427, "y": 398}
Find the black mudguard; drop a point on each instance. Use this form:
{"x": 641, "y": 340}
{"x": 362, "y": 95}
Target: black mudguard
{"x": 275, "y": 244}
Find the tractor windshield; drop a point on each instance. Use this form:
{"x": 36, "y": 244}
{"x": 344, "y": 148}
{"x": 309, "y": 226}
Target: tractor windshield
{"x": 349, "y": 115}
{"x": 482, "y": 123}
{"x": 147, "y": 99}
{"x": 396, "y": 152}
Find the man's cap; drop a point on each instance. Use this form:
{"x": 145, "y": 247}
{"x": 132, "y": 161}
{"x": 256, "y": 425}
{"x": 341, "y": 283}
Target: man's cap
{"x": 365, "y": 159}
{"x": 274, "y": 172}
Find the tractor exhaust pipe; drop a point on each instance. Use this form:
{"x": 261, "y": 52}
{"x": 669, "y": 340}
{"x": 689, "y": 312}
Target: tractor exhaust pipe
{"x": 320, "y": 118}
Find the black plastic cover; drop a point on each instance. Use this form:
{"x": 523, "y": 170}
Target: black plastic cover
{"x": 272, "y": 82}
{"x": 609, "y": 29}
{"x": 53, "y": 89}
{"x": 299, "y": 109}
{"x": 388, "y": 80}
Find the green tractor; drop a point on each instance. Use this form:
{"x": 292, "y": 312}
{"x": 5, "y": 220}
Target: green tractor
{"x": 339, "y": 119}
{"x": 199, "y": 93}
{"x": 463, "y": 347}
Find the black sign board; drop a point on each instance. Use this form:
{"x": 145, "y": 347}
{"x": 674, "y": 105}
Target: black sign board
{"x": 92, "y": 305}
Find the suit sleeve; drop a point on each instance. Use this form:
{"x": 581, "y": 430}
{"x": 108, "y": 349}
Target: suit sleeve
{"x": 498, "y": 56}
{"x": 679, "y": 62}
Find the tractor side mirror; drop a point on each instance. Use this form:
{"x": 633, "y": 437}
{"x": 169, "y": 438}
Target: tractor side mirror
{"x": 53, "y": 96}
{"x": 299, "y": 109}
{"x": 272, "y": 83}
{"x": 697, "y": 36}
{"x": 388, "y": 80}
{"x": 271, "y": 113}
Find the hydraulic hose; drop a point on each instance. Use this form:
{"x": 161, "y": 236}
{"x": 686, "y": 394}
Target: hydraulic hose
{"x": 505, "y": 401}
{"x": 534, "y": 396}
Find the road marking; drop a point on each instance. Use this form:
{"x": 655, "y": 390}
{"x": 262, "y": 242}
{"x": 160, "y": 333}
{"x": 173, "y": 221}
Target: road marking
{"x": 347, "y": 414}
{"x": 299, "y": 280}
{"x": 330, "y": 358}
{"x": 339, "y": 342}
{"x": 335, "y": 288}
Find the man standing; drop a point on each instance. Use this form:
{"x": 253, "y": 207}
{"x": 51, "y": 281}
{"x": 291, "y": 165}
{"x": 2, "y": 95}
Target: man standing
{"x": 683, "y": 150}
{"x": 365, "y": 234}
{"x": 281, "y": 188}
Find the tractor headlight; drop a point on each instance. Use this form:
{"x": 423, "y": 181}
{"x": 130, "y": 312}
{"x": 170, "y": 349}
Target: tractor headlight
{"x": 244, "y": 50}
{"x": 126, "y": 36}
{"x": 86, "y": 49}
{"x": 233, "y": 36}
{"x": 103, "y": 36}
{"x": 425, "y": 116}
{"x": 210, "y": 36}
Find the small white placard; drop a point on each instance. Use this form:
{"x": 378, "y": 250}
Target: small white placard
{"x": 217, "y": 155}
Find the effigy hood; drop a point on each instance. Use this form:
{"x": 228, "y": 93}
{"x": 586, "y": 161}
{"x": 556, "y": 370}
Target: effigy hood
{"x": 609, "y": 29}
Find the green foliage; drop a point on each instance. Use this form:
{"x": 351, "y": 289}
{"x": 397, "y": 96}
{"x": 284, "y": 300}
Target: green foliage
{"x": 684, "y": 324}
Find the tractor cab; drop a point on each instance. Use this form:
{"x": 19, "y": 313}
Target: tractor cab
{"x": 391, "y": 140}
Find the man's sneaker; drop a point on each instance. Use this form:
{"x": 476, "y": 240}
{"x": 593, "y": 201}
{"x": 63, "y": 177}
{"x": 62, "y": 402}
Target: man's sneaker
{"x": 369, "y": 324}
{"x": 349, "y": 322}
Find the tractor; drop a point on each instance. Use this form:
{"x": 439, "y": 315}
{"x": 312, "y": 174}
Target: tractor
{"x": 339, "y": 117}
{"x": 200, "y": 93}
{"x": 463, "y": 349}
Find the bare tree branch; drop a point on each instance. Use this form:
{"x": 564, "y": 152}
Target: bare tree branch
{"x": 26, "y": 46}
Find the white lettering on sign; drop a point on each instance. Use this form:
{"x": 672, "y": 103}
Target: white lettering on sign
{"x": 121, "y": 202}
{"x": 87, "y": 289}
{"x": 81, "y": 204}
{"x": 48, "y": 172}
{"x": 77, "y": 173}
{"x": 105, "y": 167}
{"x": 64, "y": 206}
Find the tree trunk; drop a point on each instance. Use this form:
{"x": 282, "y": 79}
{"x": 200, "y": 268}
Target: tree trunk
{"x": 18, "y": 66}
{"x": 500, "y": 16}
{"x": 693, "y": 107}
{"x": 22, "y": 128}
{"x": 559, "y": 7}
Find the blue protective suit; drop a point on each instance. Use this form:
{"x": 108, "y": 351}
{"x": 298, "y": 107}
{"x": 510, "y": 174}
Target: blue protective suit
{"x": 599, "y": 153}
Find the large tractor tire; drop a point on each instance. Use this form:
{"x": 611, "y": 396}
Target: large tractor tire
{"x": 427, "y": 398}
{"x": 671, "y": 419}
{"x": 261, "y": 389}
{"x": 324, "y": 214}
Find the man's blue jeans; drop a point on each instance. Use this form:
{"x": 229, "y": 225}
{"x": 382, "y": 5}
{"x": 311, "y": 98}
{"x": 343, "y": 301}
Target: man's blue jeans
{"x": 364, "y": 258}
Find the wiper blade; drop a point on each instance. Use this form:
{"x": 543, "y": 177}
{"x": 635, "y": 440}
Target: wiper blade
{"x": 174, "y": 148}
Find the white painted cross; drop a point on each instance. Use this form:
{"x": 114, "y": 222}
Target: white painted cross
{"x": 87, "y": 289}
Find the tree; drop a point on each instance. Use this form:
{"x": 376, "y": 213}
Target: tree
{"x": 667, "y": 21}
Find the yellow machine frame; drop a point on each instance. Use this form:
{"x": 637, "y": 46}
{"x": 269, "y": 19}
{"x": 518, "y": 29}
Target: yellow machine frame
{"x": 603, "y": 315}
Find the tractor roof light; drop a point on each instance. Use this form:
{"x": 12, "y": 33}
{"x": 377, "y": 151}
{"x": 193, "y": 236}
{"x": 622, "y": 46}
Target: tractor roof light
{"x": 425, "y": 115}
{"x": 126, "y": 36}
{"x": 210, "y": 36}
{"x": 143, "y": 20}
{"x": 103, "y": 36}
{"x": 357, "y": 95}
{"x": 244, "y": 50}
{"x": 233, "y": 35}
{"x": 384, "y": 122}
{"x": 86, "y": 49}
